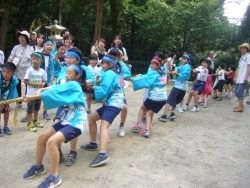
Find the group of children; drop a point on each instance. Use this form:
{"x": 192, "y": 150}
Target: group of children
{"x": 106, "y": 83}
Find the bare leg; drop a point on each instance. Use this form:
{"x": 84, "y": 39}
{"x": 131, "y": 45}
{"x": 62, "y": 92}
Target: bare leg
{"x": 190, "y": 96}
{"x": 29, "y": 117}
{"x": 149, "y": 116}
{"x": 124, "y": 113}
{"x": 6, "y": 118}
{"x": 35, "y": 115}
{"x": 104, "y": 136}
{"x": 73, "y": 144}
{"x": 205, "y": 99}
{"x": 196, "y": 98}
{"x": 141, "y": 113}
{"x": 166, "y": 109}
{"x": 93, "y": 118}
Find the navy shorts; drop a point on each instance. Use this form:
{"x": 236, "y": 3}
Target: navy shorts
{"x": 199, "y": 86}
{"x": 175, "y": 97}
{"x": 33, "y": 106}
{"x": 59, "y": 112}
{"x": 155, "y": 106}
{"x": 90, "y": 91}
{"x": 3, "y": 109}
{"x": 220, "y": 84}
{"x": 108, "y": 113}
{"x": 68, "y": 131}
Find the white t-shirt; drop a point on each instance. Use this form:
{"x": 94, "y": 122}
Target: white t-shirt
{"x": 38, "y": 49}
{"x": 222, "y": 76}
{"x": 242, "y": 68}
{"x": 95, "y": 70}
{"x": 212, "y": 62}
{"x": 46, "y": 61}
{"x": 202, "y": 75}
{"x": 34, "y": 76}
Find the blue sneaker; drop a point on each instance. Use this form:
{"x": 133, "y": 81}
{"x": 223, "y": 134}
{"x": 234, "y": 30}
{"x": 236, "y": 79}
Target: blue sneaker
{"x": 1, "y": 133}
{"x": 180, "y": 109}
{"x": 46, "y": 116}
{"x": 24, "y": 119}
{"x": 99, "y": 160}
{"x": 50, "y": 182}
{"x": 7, "y": 131}
{"x": 90, "y": 147}
{"x": 143, "y": 120}
{"x": 33, "y": 171}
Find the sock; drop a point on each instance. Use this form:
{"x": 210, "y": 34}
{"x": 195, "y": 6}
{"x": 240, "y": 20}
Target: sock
{"x": 102, "y": 153}
{"x": 72, "y": 151}
{"x": 54, "y": 176}
{"x": 34, "y": 121}
{"x": 187, "y": 104}
{"x": 60, "y": 150}
{"x": 121, "y": 124}
{"x": 93, "y": 143}
{"x": 196, "y": 106}
{"x": 38, "y": 166}
{"x": 45, "y": 112}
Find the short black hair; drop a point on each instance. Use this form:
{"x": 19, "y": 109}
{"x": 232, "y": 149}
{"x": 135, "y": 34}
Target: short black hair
{"x": 205, "y": 60}
{"x": 92, "y": 57}
{"x": 114, "y": 52}
{"x": 64, "y": 31}
{"x": 160, "y": 55}
{"x": 9, "y": 65}
{"x": 59, "y": 44}
{"x": 222, "y": 65}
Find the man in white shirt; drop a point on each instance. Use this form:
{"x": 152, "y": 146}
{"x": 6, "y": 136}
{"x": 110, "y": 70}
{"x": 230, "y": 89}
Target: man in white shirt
{"x": 211, "y": 56}
{"x": 242, "y": 75}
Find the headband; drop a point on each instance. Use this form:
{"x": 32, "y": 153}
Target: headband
{"x": 76, "y": 69}
{"x": 47, "y": 42}
{"x": 39, "y": 55}
{"x": 187, "y": 56}
{"x": 156, "y": 61}
{"x": 110, "y": 60}
{"x": 73, "y": 54}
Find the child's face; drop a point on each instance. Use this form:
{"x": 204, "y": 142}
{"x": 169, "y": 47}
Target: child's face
{"x": 7, "y": 74}
{"x": 93, "y": 62}
{"x": 47, "y": 48}
{"x": 154, "y": 66}
{"x": 36, "y": 61}
{"x": 106, "y": 65}
{"x": 61, "y": 51}
{"x": 117, "y": 41}
{"x": 71, "y": 60}
{"x": 71, "y": 74}
{"x": 184, "y": 60}
{"x": 204, "y": 64}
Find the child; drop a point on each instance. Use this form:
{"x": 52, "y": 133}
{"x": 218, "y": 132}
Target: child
{"x": 220, "y": 84}
{"x": 8, "y": 83}
{"x": 59, "y": 58}
{"x": 95, "y": 71}
{"x": 199, "y": 85}
{"x": 111, "y": 90}
{"x": 208, "y": 89}
{"x": 230, "y": 82}
{"x": 155, "y": 82}
{"x": 72, "y": 124}
{"x": 34, "y": 78}
{"x": 180, "y": 86}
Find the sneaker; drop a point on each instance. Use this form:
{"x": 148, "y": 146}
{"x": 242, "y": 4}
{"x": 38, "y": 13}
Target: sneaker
{"x": 51, "y": 182}
{"x": 219, "y": 99}
{"x": 38, "y": 124}
{"x": 46, "y": 116}
{"x": 1, "y": 133}
{"x": 122, "y": 132}
{"x": 144, "y": 133}
{"x": 199, "y": 100}
{"x": 143, "y": 122}
{"x": 214, "y": 97}
{"x": 172, "y": 116}
{"x": 248, "y": 102}
{"x": 170, "y": 108}
{"x": 163, "y": 118}
{"x": 225, "y": 96}
{"x": 71, "y": 159}
{"x": 230, "y": 96}
{"x": 180, "y": 109}
{"x": 7, "y": 131}
{"x": 137, "y": 127}
{"x": 20, "y": 106}
{"x": 185, "y": 107}
{"x": 34, "y": 170}
{"x": 99, "y": 160}
{"x": 90, "y": 147}
{"x": 24, "y": 119}
{"x": 194, "y": 109}
{"x": 204, "y": 105}
{"x": 60, "y": 156}
{"x": 31, "y": 127}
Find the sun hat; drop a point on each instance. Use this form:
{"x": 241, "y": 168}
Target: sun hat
{"x": 25, "y": 33}
{"x": 244, "y": 45}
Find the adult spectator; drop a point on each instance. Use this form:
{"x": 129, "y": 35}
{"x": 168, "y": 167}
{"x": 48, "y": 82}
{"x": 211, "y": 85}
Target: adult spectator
{"x": 241, "y": 76}
{"x": 211, "y": 56}
{"x": 33, "y": 36}
{"x": 100, "y": 50}
{"x": 117, "y": 44}
{"x": 20, "y": 56}
{"x": 1, "y": 59}
{"x": 94, "y": 46}
{"x": 39, "y": 43}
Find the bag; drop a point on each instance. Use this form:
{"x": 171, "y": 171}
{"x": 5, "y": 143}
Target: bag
{"x": 16, "y": 60}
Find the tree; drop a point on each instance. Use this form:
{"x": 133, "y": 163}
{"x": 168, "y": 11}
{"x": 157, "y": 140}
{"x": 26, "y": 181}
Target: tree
{"x": 98, "y": 22}
{"x": 115, "y": 11}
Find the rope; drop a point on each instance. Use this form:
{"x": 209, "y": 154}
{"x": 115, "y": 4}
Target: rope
{"x": 16, "y": 100}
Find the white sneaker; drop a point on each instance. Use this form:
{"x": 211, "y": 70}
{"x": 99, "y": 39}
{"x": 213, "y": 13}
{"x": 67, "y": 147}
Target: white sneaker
{"x": 194, "y": 109}
{"x": 185, "y": 107}
{"x": 121, "y": 132}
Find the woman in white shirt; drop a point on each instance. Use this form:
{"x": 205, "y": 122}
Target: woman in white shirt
{"x": 20, "y": 56}
{"x": 39, "y": 43}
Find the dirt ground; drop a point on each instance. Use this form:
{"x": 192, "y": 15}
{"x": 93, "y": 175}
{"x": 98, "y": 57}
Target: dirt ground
{"x": 206, "y": 149}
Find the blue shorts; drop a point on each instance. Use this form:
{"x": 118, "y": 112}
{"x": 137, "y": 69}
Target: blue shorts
{"x": 89, "y": 91}
{"x": 239, "y": 90}
{"x": 175, "y": 97}
{"x": 199, "y": 86}
{"x": 59, "y": 112}
{"x": 155, "y": 106}
{"x": 68, "y": 131}
{"x": 108, "y": 113}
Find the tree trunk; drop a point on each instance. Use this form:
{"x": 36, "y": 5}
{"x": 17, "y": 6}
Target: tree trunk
{"x": 115, "y": 9}
{"x": 59, "y": 11}
{"x": 5, "y": 23}
{"x": 98, "y": 21}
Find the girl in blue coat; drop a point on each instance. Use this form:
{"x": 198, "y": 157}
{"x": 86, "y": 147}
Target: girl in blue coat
{"x": 110, "y": 89}
{"x": 154, "y": 82}
{"x": 72, "y": 124}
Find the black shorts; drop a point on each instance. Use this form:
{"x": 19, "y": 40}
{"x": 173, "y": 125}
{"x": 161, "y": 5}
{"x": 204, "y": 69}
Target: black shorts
{"x": 89, "y": 91}
{"x": 175, "y": 97}
{"x": 33, "y": 106}
{"x": 155, "y": 106}
{"x": 230, "y": 81}
{"x": 3, "y": 109}
{"x": 219, "y": 85}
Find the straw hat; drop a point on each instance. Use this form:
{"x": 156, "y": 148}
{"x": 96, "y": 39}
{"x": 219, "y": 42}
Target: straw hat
{"x": 244, "y": 45}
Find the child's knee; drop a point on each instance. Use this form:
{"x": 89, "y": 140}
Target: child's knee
{"x": 125, "y": 107}
{"x": 43, "y": 138}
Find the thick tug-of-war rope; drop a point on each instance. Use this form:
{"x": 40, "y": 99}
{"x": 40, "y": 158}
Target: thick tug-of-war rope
{"x": 16, "y": 100}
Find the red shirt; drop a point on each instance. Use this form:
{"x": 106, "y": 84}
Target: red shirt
{"x": 230, "y": 74}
